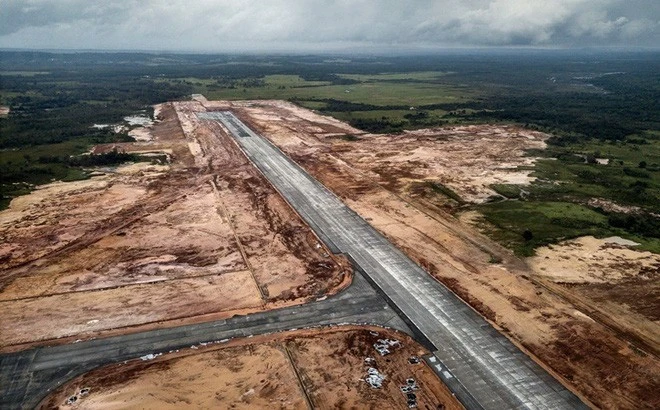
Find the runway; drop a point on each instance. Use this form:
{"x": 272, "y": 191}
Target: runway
{"x": 481, "y": 366}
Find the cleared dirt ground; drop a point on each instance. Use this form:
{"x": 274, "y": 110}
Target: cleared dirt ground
{"x": 143, "y": 244}
{"x": 377, "y": 176}
{"x": 322, "y": 368}
{"x": 610, "y": 279}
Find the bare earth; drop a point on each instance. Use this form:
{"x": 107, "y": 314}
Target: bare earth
{"x": 471, "y": 158}
{"x": 378, "y": 182}
{"x": 610, "y": 279}
{"x": 322, "y": 368}
{"x": 145, "y": 244}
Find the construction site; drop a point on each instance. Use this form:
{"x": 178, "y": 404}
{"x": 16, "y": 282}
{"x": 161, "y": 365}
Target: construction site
{"x": 274, "y": 255}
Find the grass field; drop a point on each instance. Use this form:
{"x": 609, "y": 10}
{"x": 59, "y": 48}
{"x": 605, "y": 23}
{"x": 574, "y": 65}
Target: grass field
{"x": 387, "y": 98}
{"x": 629, "y": 174}
{"x": 407, "y": 77}
{"x": 631, "y": 177}
{"x": 22, "y": 169}
{"x": 435, "y": 117}
{"x": 409, "y": 90}
{"x": 548, "y": 222}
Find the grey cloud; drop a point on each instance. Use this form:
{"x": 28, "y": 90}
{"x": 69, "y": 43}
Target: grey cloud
{"x": 22, "y": 14}
{"x": 217, "y": 25}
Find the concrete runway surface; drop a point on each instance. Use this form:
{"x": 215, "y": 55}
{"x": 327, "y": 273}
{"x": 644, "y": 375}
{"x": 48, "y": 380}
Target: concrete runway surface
{"x": 481, "y": 366}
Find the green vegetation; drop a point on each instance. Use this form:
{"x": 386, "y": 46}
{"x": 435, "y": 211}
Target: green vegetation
{"x": 403, "y": 77}
{"x": 52, "y": 116}
{"x": 22, "y": 169}
{"x": 443, "y": 190}
{"x": 572, "y": 174}
{"x": 620, "y": 179}
{"x": 508, "y": 191}
{"x": 349, "y": 137}
{"x": 525, "y": 225}
{"x": 547, "y": 222}
{"x": 380, "y": 93}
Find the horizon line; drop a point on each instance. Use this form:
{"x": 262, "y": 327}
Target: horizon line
{"x": 345, "y": 51}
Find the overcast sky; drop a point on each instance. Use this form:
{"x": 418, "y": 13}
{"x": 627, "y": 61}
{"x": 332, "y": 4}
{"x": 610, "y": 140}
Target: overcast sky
{"x": 325, "y": 25}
